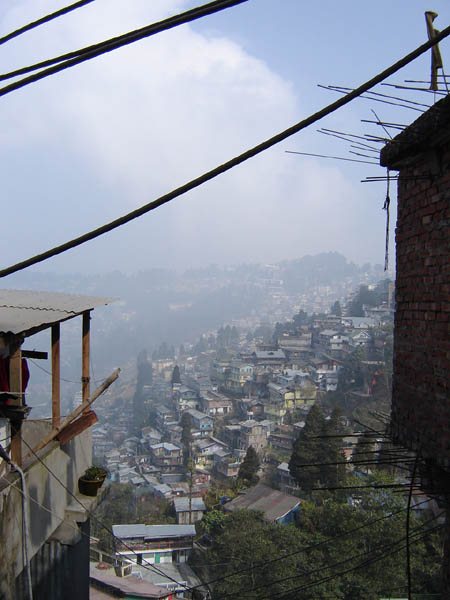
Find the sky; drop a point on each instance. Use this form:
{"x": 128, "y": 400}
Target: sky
{"x": 84, "y": 146}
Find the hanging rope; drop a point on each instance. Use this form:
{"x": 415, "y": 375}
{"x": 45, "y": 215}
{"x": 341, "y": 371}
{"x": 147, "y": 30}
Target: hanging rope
{"x": 386, "y": 204}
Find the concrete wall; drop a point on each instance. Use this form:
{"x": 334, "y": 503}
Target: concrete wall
{"x": 53, "y": 513}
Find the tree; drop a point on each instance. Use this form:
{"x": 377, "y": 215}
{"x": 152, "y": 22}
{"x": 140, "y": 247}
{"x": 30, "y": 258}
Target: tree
{"x": 308, "y": 450}
{"x": 245, "y": 546}
{"x": 336, "y": 309}
{"x": 333, "y": 472}
{"x": 351, "y": 375}
{"x": 301, "y": 318}
{"x": 212, "y": 521}
{"x": 365, "y": 452}
{"x": 363, "y": 297}
{"x": 249, "y": 467}
{"x": 186, "y": 437}
{"x": 176, "y": 378}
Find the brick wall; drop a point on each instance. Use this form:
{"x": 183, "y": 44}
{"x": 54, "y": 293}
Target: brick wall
{"x": 421, "y": 385}
{"x": 421, "y": 380}
{"x": 420, "y": 418}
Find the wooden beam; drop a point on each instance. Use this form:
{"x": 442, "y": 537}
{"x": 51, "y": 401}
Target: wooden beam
{"x": 87, "y": 419}
{"x": 56, "y": 376}
{"x": 36, "y": 354}
{"x": 15, "y": 386}
{"x": 15, "y": 377}
{"x": 84, "y": 406}
{"x": 85, "y": 356}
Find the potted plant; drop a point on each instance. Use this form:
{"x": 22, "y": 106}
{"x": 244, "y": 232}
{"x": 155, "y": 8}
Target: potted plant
{"x": 92, "y": 480}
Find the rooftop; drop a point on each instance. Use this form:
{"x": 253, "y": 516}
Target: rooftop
{"x": 272, "y": 503}
{"x": 182, "y": 504}
{"x": 153, "y": 531}
{"x": 27, "y": 312}
{"x": 426, "y": 132}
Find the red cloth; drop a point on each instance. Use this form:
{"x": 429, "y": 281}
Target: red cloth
{"x": 4, "y": 375}
{"x": 25, "y": 374}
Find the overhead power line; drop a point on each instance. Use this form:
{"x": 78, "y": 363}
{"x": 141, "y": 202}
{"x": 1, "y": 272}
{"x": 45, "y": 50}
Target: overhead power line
{"x": 379, "y": 548}
{"x": 395, "y": 549}
{"x": 325, "y": 542}
{"x": 237, "y": 160}
{"x": 66, "y": 61}
{"x": 42, "y": 20}
{"x": 146, "y": 564}
{"x": 150, "y": 566}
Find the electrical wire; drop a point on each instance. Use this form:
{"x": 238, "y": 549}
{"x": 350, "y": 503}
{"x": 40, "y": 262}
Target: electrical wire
{"x": 337, "y": 564}
{"x": 71, "y": 59}
{"x": 147, "y": 565}
{"x": 25, "y": 527}
{"x": 327, "y": 541}
{"x": 51, "y": 374}
{"x": 408, "y": 519}
{"x": 230, "y": 164}
{"x": 51, "y": 512}
{"x": 363, "y": 564}
{"x": 45, "y": 19}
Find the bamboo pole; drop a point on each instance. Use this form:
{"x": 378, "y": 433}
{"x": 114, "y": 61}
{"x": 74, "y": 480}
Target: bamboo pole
{"x": 82, "y": 408}
{"x": 86, "y": 356}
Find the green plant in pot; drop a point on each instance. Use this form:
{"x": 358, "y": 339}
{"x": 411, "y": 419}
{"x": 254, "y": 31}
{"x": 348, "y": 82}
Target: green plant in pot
{"x": 92, "y": 480}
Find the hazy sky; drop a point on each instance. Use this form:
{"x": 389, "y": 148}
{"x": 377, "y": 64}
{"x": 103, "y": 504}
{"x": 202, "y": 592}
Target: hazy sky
{"x": 105, "y": 137}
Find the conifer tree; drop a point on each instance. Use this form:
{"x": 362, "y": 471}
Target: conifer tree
{"x": 308, "y": 450}
{"x": 249, "y": 466}
{"x": 365, "y": 452}
{"x": 333, "y": 473}
{"x": 186, "y": 437}
{"x": 176, "y": 375}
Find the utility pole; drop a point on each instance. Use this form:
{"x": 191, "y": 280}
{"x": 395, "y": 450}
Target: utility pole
{"x": 191, "y": 480}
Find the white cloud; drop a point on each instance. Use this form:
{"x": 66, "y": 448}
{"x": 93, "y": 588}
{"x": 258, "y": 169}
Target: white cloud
{"x": 144, "y": 119}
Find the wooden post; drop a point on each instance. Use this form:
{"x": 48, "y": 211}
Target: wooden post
{"x": 56, "y": 375}
{"x": 15, "y": 386}
{"x": 85, "y": 358}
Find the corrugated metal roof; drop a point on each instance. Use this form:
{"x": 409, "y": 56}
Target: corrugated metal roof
{"x": 182, "y": 504}
{"x": 272, "y": 503}
{"x": 153, "y": 531}
{"x": 24, "y": 311}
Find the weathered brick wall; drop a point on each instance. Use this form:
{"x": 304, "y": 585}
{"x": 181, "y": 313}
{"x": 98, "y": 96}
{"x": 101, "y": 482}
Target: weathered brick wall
{"x": 421, "y": 384}
{"x": 420, "y": 416}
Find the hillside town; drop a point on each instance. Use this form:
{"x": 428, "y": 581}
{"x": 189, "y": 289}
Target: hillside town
{"x": 199, "y": 418}
{"x": 218, "y": 379}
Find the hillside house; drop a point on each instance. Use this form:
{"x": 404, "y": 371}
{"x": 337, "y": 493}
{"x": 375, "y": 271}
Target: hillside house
{"x": 155, "y": 544}
{"x": 167, "y": 457}
{"x": 189, "y": 512}
{"x": 215, "y": 404}
{"x": 201, "y": 423}
{"x": 252, "y": 433}
{"x": 52, "y": 454}
{"x": 276, "y": 506}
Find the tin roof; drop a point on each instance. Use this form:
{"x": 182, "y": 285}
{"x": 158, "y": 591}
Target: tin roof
{"x": 272, "y": 503}
{"x": 26, "y": 312}
{"x": 182, "y": 504}
{"x": 153, "y": 531}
